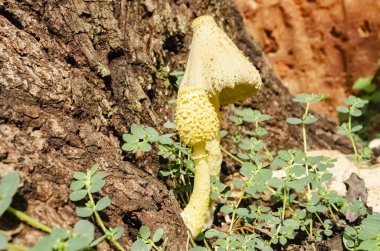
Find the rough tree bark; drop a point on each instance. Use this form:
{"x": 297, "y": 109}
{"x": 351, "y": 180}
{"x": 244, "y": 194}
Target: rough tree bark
{"x": 74, "y": 76}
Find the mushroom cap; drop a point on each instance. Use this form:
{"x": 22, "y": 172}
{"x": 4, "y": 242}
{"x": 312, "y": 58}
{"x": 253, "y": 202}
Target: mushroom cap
{"x": 216, "y": 65}
{"x": 196, "y": 118}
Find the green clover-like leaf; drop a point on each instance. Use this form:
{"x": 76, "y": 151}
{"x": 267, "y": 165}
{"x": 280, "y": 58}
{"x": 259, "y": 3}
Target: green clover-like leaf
{"x": 78, "y": 195}
{"x": 102, "y": 203}
{"x": 144, "y": 232}
{"x": 158, "y": 235}
{"x": 294, "y": 121}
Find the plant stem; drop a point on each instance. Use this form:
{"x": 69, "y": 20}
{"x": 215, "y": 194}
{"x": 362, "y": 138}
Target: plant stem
{"x": 332, "y": 213}
{"x": 269, "y": 154}
{"x": 238, "y": 203}
{"x": 284, "y": 203}
{"x": 313, "y": 245}
{"x": 101, "y": 224}
{"x": 305, "y": 148}
{"x": 304, "y": 128}
{"x": 320, "y": 220}
{"x": 352, "y": 141}
{"x": 231, "y": 155}
{"x": 192, "y": 242}
{"x": 13, "y": 247}
{"x": 311, "y": 226}
{"x": 234, "y": 211}
{"x": 206, "y": 244}
{"x": 33, "y": 222}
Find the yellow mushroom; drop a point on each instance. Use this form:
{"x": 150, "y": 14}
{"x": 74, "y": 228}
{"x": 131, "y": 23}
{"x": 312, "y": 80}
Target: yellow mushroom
{"x": 217, "y": 73}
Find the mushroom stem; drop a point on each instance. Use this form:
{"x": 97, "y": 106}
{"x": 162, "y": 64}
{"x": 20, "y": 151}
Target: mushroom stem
{"x": 195, "y": 213}
{"x": 214, "y": 158}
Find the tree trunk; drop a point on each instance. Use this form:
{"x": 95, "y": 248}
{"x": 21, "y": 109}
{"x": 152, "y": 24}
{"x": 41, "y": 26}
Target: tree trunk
{"x": 75, "y": 75}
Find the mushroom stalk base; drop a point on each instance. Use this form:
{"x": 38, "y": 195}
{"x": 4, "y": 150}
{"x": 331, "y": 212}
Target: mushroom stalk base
{"x": 196, "y": 211}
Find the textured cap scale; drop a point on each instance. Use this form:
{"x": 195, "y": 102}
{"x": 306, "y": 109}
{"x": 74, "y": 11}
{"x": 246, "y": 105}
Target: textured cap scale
{"x": 196, "y": 118}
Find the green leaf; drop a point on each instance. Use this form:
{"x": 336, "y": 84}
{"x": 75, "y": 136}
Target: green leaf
{"x": 139, "y": 245}
{"x": 144, "y": 232}
{"x": 242, "y": 212}
{"x": 294, "y": 121}
{"x": 223, "y": 133}
{"x": 76, "y": 185}
{"x": 297, "y": 170}
{"x": 263, "y": 176}
{"x": 9, "y": 184}
{"x": 102, "y": 203}
{"x": 129, "y": 147}
{"x": 238, "y": 183}
{"x": 78, "y": 195}
{"x": 97, "y": 185}
{"x": 284, "y": 155}
{"x": 226, "y": 209}
{"x": 326, "y": 177}
{"x": 138, "y": 131}
{"x": 60, "y": 233}
{"x": 237, "y": 120}
{"x": 45, "y": 244}
{"x": 4, "y": 204}
{"x": 145, "y": 147}
{"x": 283, "y": 240}
{"x": 165, "y": 139}
{"x": 356, "y": 113}
{"x": 349, "y": 101}
{"x": 364, "y": 84}
{"x": 170, "y": 125}
{"x": 97, "y": 241}
{"x": 118, "y": 232}
{"x": 310, "y": 119}
{"x": 328, "y": 232}
{"x": 158, "y": 234}
{"x": 375, "y": 97}
{"x": 343, "y": 109}
{"x": 369, "y": 245}
{"x": 152, "y": 133}
{"x": 85, "y": 229}
{"x": 76, "y": 243}
{"x": 93, "y": 169}
{"x": 302, "y": 98}
{"x": 80, "y": 176}
{"x": 3, "y": 241}
{"x": 98, "y": 176}
{"x": 84, "y": 212}
{"x": 342, "y": 131}
{"x": 296, "y": 185}
{"x": 278, "y": 162}
{"x": 211, "y": 233}
{"x": 356, "y": 128}
{"x": 275, "y": 182}
{"x": 130, "y": 138}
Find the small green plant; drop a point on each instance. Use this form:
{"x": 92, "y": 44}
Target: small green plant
{"x": 59, "y": 239}
{"x": 84, "y": 186}
{"x": 366, "y": 236}
{"x": 263, "y": 211}
{"x": 354, "y": 104}
{"x": 367, "y": 88}
{"x": 145, "y": 243}
{"x": 170, "y": 78}
{"x": 272, "y": 211}
{"x": 177, "y": 165}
